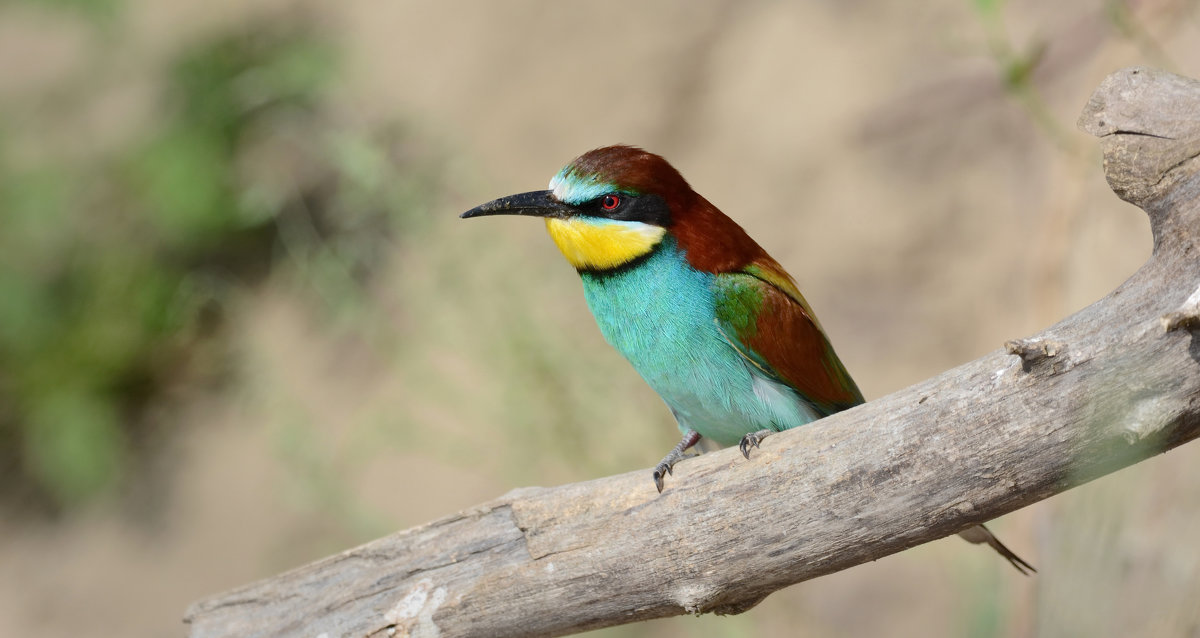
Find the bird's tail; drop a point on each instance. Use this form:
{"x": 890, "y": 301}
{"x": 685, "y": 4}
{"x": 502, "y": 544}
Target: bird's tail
{"x": 982, "y": 535}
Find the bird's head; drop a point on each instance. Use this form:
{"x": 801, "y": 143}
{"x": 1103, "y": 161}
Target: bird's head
{"x": 607, "y": 208}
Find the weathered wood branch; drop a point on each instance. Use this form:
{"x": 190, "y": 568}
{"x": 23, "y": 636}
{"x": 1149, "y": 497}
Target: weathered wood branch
{"x": 1109, "y": 386}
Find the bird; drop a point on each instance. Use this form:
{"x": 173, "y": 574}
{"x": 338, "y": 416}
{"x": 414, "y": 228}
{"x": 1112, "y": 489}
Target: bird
{"x": 710, "y": 321}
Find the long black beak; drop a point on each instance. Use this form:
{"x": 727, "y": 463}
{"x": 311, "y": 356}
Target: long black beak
{"x": 533, "y": 203}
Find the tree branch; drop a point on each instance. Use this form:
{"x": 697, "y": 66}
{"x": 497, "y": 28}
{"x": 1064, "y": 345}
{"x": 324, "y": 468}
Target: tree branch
{"x": 1109, "y": 386}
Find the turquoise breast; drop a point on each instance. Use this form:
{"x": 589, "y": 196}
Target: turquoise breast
{"x": 660, "y": 315}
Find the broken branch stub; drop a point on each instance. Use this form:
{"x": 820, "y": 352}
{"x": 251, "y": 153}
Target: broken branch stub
{"x": 1111, "y": 385}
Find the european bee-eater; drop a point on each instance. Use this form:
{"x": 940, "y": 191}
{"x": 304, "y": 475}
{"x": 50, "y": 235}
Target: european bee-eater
{"x": 713, "y": 323}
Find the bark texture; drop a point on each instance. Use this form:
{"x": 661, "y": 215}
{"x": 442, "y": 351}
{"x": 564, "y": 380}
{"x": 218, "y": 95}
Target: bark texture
{"x": 1109, "y": 386}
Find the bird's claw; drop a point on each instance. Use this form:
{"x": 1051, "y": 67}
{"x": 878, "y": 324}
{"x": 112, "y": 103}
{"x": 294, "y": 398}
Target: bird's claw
{"x": 674, "y": 456}
{"x": 660, "y": 471}
{"x": 745, "y": 444}
{"x": 752, "y": 439}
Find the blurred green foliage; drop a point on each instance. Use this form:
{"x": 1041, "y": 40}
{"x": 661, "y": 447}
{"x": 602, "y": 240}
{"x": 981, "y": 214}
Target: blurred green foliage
{"x": 116, "y": 270}
{"x": 1017, "y": 64}
{"x": 97, "y": 10}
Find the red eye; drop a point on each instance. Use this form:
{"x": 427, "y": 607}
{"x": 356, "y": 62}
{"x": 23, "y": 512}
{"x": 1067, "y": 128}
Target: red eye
{"x": 610, "y": 202}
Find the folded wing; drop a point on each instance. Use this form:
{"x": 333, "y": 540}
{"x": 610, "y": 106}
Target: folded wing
{"x": 764, "y": 317}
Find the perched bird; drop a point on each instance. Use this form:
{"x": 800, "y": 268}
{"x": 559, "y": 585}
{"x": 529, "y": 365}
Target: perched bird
{"x": 713, "y": 323}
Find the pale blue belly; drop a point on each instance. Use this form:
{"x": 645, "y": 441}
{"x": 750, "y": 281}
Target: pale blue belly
{"x": 659, "y": 314}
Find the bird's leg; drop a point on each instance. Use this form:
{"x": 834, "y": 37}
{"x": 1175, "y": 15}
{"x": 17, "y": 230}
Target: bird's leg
{"x": 690, "y": 437}
{"x": 981, "y": 535}
{"x": 753, "y": 438}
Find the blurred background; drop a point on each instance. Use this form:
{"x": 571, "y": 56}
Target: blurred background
{"x": 242, "y": 328}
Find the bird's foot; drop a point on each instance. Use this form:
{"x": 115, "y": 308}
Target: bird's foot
{"x": 753, "y": 439}
{"x": 676, "y": 455}
{"x": 662, "y": 470}
{"x": 664, "y": 466}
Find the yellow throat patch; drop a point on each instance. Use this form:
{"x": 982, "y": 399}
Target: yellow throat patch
{"x": 602, "y": 244}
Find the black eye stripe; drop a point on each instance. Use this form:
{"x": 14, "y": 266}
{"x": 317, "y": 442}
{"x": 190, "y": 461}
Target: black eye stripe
{"x": 649, "y": 209}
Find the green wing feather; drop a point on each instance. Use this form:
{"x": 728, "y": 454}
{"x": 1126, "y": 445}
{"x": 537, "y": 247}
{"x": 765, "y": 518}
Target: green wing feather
{"x": 766, "y": 319}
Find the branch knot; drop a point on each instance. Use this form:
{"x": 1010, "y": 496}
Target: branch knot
{"x": 1034, "y": 351}
{"x": 1187, "y": 317}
